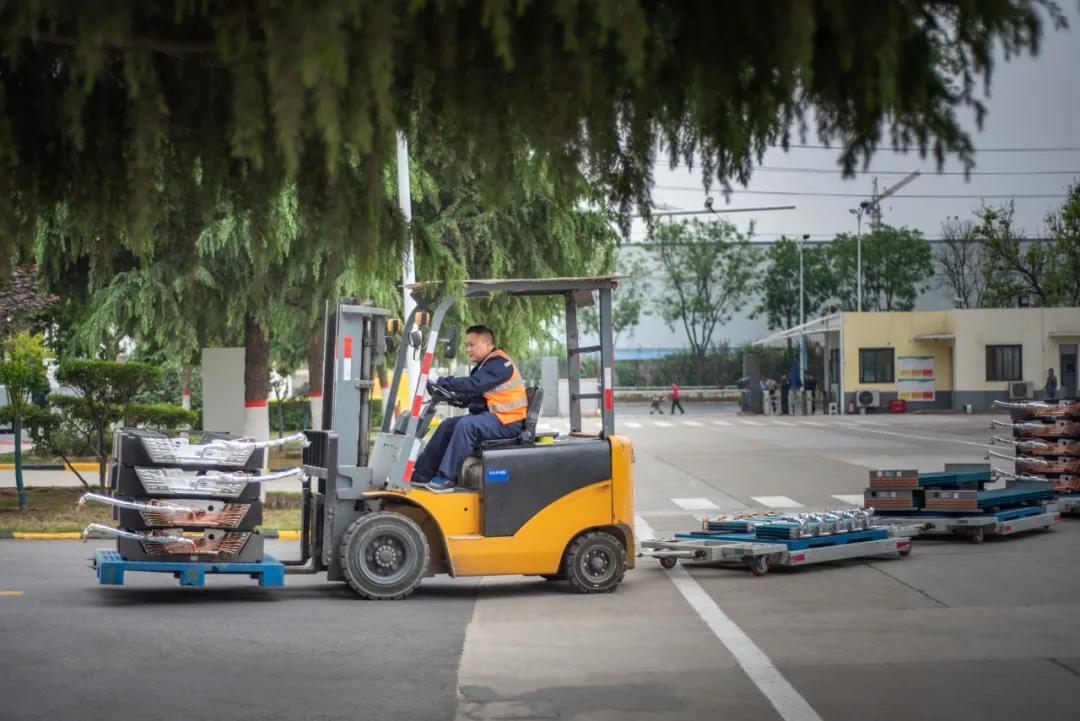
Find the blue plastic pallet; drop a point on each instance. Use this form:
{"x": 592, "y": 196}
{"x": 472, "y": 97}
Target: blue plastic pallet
{"x": 111, "y": 568}
{"x": 800, "y": 544}
{"x": 1009, "y": 515}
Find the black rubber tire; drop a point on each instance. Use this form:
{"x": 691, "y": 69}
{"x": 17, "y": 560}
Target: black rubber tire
{"x": 668, "y": 562}
{"x": 401, "y": 539}
{"x": 759, "y": 566}
{"x": 977, "y": 536}
{"x": 595, "y": 563}
{"x": 905, "y": 552}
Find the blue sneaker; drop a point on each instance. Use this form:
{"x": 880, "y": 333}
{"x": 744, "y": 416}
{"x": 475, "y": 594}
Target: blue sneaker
{"x": 440, "y": 484}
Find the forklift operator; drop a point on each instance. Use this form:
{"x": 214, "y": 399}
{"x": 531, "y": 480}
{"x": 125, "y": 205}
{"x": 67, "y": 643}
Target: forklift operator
{"x": 495, "y": 394}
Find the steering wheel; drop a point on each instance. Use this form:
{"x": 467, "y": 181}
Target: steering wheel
{"x": 442, "y": 395}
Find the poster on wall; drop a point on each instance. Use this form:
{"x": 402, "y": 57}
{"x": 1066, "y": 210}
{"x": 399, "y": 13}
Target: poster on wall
{"x": 915, "y": 378}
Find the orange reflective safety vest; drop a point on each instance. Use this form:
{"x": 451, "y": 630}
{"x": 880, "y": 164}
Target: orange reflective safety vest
{"x": 508, "y": 400}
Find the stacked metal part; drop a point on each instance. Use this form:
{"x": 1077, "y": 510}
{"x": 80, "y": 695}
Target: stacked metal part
{"x": 905, "y": 491}
{"x": 178, "y": 501}
{"x": 1046, "y": 443}
{"x": 786, "y": 526}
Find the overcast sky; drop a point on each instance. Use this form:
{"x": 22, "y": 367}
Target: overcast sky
{"x": 1033, "y": 103}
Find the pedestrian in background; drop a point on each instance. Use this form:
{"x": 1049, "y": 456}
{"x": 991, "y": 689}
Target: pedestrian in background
{"x": 770, "y": 388}
{"x": 675, "y": 399}
{"x": 656, "y": 405}
{"x": 1051, "y": 385}
{"x": 811, "y": 388}
{"x": 785, "y": 389}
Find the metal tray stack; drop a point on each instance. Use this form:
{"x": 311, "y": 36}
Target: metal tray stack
{"x": 1046, "y": 445}
{"x": 770, "y": 526}
{"x": 907, "y": 490}
{"x": 182, "y": 502}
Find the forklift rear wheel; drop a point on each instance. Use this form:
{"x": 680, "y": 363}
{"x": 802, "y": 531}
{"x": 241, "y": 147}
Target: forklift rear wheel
{"x": 384, "y": 555}
{"x": 595, "y": 563}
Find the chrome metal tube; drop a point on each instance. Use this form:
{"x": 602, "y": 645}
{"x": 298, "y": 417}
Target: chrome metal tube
{"x": 153, "y": 506}
{"x": 219, "y": 477}
{"x": 110, "y": 532}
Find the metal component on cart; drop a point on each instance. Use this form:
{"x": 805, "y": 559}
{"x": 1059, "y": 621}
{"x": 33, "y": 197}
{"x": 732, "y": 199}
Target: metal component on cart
{"x": 154, "y": 506}
{"x": 97, "y": 530}
{"x": 177, "y": 482}
{"x": 1030, "y": 429}
{"x": 221, "y": 452}
{"x": 1021, "y": 476}
{"x": 1042, "y": 409}
{"x": 977, "y": 527}
{"x": 1019, "y": 459}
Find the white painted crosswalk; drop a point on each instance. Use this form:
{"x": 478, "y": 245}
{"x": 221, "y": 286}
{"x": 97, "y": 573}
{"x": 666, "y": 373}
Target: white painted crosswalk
{"x": 692, "y": 424}
{"x": 854, "y": 499}
{"x": 776, "y": 501}
{"x": 593, "y": 425}
{"x": 695, "y": 504}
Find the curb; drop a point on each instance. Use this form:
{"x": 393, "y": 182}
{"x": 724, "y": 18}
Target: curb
{"x": 51, "y": 466}
{"x": 75, "y": 536}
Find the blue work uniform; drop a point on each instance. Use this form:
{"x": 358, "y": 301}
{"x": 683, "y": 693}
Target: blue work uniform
{"x": 455, "y": 438}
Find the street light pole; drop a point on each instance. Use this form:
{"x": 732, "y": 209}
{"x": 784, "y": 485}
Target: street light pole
{"x": 802, "y": 322}
{"x": 858, "y": 213}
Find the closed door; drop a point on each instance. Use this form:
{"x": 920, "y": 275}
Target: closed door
{"x": 1068, "y": 371}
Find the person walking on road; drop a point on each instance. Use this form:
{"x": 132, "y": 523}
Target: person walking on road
{"x": 675, "y": 399}
{"x": 785, "y": 388}
{"x": 811, "y": 389}
{"x": 655, "y": 407}
{"x": 1051, "y": 385}
{"x": 770, "y": 388}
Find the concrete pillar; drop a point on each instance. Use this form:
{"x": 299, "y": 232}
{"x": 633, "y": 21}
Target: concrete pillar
{"x": 549, "y": 380}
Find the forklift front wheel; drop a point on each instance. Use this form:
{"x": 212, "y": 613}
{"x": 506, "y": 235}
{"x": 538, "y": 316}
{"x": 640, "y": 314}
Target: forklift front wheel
{"x": 595, "y": 563}
{"x": 384, "y": 555}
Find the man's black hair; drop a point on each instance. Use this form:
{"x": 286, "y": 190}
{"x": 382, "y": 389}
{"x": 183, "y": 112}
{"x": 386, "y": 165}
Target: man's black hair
{"x": 481, "y": 330}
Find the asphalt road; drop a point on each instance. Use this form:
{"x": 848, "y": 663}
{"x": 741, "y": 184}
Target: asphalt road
{"x": 956, "y": 630}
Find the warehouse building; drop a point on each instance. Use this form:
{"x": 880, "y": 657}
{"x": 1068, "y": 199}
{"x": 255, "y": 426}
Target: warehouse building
{"x": 943, "y": 359}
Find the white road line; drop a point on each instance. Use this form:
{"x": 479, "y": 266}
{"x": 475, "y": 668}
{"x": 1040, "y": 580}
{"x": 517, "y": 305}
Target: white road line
{"x": 631, "y": 424}
{"x": 776, "y": 501}
{"x": 693, "y": 424}
{"x": 753, "y": 661}
{"x": 853, "y": 499}
{"x": 938, "y": 439}
{"x": 785, "y": 423}
{"x": 752, "y": 423}
{"x": 815, "y": 424}
{"x": 662, "y": 424}
{"x": 720, "y": 423}
{"x": 695, "y": 504}
{"x": 642, "y": 530}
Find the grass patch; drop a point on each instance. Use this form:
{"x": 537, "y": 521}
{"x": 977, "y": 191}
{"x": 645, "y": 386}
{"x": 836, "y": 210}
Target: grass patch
{"x": 55, "y": 510}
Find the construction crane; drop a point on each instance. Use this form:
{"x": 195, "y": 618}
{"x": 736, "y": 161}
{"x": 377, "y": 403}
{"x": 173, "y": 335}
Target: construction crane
{"x": 876, "y": 198}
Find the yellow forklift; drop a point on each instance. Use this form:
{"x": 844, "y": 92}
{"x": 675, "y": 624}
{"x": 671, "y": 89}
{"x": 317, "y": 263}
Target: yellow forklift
{"x": 539, "y": 504}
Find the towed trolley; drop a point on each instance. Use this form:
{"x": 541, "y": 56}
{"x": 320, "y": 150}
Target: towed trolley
{"x": 977, "y": 528}
{"x": 743, "y": 550}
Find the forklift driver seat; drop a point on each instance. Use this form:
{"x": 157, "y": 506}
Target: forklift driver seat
{"x": 535, "y": 395}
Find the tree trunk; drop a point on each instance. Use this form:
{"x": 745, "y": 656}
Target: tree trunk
{"x": 185, "y": 389}
{"x": 256, "y": 381}
{"x": 315, "y": 373}
{"x": 20, "y": 489}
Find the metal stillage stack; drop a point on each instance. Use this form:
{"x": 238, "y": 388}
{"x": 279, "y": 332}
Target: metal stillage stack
{"x": 1046, "y": 441}
{"x": 175, "y": 501}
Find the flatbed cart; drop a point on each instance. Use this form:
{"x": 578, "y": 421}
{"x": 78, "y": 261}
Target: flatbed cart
{"x": 1068, "y": 503}
{"x": 977, "y": 528}
{"x": 702, "y": 549}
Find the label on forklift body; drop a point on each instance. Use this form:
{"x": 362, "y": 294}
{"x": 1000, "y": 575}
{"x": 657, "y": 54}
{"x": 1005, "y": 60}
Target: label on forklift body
{"x": 498, "y": 475}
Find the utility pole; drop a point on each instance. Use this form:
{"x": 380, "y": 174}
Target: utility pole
{"x": 408, "y": 262}
{"x": 802, "y": 322}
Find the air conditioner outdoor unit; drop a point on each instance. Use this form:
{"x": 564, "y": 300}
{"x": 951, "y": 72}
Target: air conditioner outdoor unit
{"x": 1022, "y": 390}
{"x": 868, "y": 399}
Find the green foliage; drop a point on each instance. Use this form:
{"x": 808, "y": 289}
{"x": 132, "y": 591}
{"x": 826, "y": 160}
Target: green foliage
{"x": 123, "y": 120}
{"x": 778, "y": 284}
{"x": 1015, "y": 266}
{"x": 627, "y": 302}
{"x": 22, "y": 372}
{"x": 105, "y": 393}
{"x": 1065, "y": 229}
{"x": 708, "y": 270}
{"x": 291, "y": 414}
{"x": 897, "y": 264}
{"x": 162, "y": 416}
